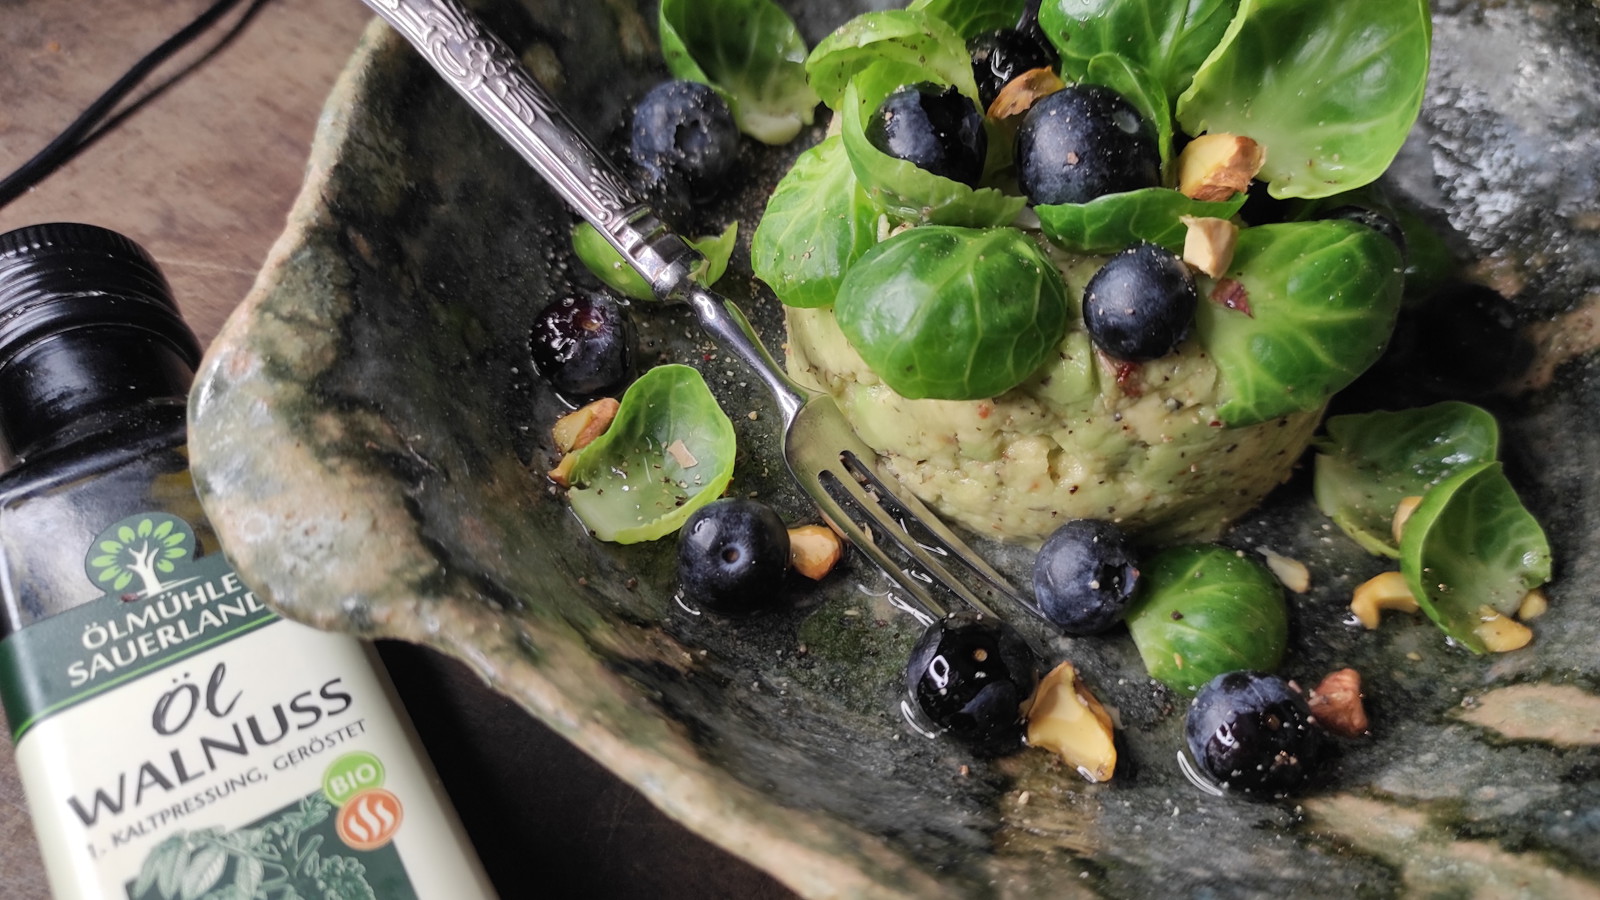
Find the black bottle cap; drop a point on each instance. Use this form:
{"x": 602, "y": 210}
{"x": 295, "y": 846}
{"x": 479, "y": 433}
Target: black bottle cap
{"x": 60, "y": 276}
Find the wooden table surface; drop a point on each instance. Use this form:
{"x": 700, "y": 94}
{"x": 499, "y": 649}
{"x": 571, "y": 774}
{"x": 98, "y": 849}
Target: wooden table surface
{"x": 203, "y": 176}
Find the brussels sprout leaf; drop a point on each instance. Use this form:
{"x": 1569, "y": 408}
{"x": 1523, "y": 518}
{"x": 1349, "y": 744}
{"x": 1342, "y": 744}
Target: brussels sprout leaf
{"x": 1319, "y": 303}
{"x": 1469, "y": 545}
{"x": 817, "y": 223}
{"x": 1203, "y": 610}
{"x": 1366, "y": 464}
{"x": 751, "y": 52}
{"x": 953, "y": 313}
{"x": 1110, "y": 223}
{"x": 973, "y": 17}
{"x": 1329, "y": 89}
{"x": 930, "y": 48}
{"x": 669, "y": 452}
{"x": 1168, "y": 38}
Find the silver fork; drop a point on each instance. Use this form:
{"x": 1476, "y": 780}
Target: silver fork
{"x": 823, "y": 452}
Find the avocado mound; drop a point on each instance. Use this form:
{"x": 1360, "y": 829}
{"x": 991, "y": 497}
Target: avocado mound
{"x": 1085, "y": 437}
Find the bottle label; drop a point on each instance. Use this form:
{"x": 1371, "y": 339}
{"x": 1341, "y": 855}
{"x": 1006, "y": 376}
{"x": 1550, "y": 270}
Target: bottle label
{"x": 178, "y": 739}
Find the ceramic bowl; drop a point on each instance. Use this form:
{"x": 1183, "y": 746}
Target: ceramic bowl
{"x": 371, "y": 443}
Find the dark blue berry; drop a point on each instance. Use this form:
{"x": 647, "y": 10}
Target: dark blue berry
{"x": 1139, "y": 305}
{"x": 733, "y": 554}
{"x": 1082, "y": 142}
{"x": 683, "y": 133}
{"x": 969, "y": 676}
{"x": 583, "y": 345}
{"x": 1463, "y": 341}
{"x": 934, "y": 128}
{"x": 1001, "y": 55}
{"x": 1378, "y": 221}
{"x": 1252, "y": 732}
{"x": 1084, "y": 576}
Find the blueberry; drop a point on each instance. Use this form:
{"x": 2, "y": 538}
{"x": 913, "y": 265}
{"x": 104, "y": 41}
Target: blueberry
{"x": 1082, "y": 142}
{"x": 1028, "y": 22}
{"x": 732, "y": 557}
{"x": 1261, "y": 208}
{"x": 933, "y": 127}
{"x": 1139, "y": 305}
{"x": 583, "y": 345}
{"x": 1463, "y": 341}
{"x": 684, "y": 133}
{"x": 1001, "y": 55}
{"x": 1252, "y": 732}
{"x": 1378, "y": 221}
{"x": 969, "y": 675}
{"x": 1084, "y": 576}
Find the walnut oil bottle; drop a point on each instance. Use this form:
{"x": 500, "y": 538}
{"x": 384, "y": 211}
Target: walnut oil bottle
{"x": 175, "y": 737}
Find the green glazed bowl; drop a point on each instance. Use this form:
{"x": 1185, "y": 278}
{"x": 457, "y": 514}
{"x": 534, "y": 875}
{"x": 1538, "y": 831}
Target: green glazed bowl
{"x": 370, "y": 443}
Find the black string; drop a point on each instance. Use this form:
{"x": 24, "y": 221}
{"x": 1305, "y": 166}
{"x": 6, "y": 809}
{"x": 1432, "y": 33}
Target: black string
{"x": 92, "y": 123}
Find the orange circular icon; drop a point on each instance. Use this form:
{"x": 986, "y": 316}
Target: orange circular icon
{"x": 369, "y": 819}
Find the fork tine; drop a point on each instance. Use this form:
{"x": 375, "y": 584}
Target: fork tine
{"x": 872, "y": 505}
{"x": 839, "y": 517}
{"x": 903, "y": 505}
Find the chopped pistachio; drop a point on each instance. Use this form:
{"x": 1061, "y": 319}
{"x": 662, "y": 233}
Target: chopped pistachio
{"x": 1214, "y": 167}
{"x": 1386, "y": 591}
{"x": 814, "y": 550}
{"x": 1498, "y": 633}
{"x": 1067, "y": 720}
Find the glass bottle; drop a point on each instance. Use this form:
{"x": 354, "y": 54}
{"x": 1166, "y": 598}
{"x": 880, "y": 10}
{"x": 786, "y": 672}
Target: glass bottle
{"x": 174, "y": 736}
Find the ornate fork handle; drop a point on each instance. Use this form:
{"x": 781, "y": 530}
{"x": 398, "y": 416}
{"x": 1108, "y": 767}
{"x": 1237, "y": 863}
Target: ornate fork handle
{"x": 484, "y": 71}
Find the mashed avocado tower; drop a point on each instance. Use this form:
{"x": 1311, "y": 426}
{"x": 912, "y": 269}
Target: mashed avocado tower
{"x": 948, "y": 318}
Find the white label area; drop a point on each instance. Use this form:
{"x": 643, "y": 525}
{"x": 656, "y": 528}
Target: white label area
{"x": 276, "y": 757}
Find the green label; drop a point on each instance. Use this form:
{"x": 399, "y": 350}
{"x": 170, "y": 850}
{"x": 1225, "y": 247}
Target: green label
{"x": 351, "y": 773}
{"x": 298, "y": 851}
{"x": 163, "y": 605}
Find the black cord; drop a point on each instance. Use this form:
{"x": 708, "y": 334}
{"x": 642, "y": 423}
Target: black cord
{"x": 82, "y": 131}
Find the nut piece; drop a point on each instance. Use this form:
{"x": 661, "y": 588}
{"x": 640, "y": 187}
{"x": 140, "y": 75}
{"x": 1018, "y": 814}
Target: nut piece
{"x": 1402, "y": 515}
{"x": 1336, "y": 703}
{"x": 1292, "y": 572}
{"x": 814, "y": 550}
{"x": 579, "y": 428}
{"x": 1067, "y": 720}
{"x": 1021, "y": 92}
{"x": 1208, "y": 244}
{"x": 1534, "y": 604}
{"x": 1386, "y": 591}
{"x": 1216, "y": 166}
{"x": 1498, "y": 633}
{"x": 562, "y": 473}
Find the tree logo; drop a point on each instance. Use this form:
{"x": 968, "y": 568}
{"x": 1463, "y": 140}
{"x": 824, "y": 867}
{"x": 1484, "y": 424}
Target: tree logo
{"x": 145, "y": 547}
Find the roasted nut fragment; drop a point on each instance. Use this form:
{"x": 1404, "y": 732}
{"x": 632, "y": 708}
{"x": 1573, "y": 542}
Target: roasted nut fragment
{"x": 1402, "y": 514}
{"x": 1214, "y": 167}
{"x": 1208, "y": 244}
{"x": 814, "y": 550}
{"x": 1336, "y": 703}
{"x": 1534, "y": 604}
{"x": 1067, "y": 720}
{"x": 1498, "y": 633}
{"x": 1292, "y": 572}
{"x": 1021, "y": 92}
{"x": 1386, "y": 591}
{"x": 562, "y": 473}
{"x": 579, "y": 428}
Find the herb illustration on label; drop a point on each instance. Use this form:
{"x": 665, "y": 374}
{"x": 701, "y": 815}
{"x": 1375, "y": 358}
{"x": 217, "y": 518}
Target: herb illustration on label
{"x": 287, "y": 855}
